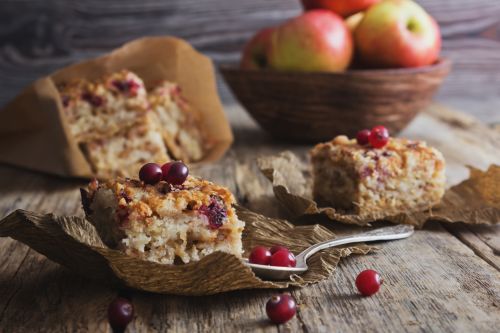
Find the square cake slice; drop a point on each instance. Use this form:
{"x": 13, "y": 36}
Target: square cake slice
{"x": 402, "y": 176}
{"x": 165, "y": 223}
{"x": 101, "y": 108}
{"x": 181, "y": 123}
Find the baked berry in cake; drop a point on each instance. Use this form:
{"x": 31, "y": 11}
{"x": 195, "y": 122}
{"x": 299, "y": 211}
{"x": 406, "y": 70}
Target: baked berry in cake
{"x": 162, "y": 222}
{"x": 399, "y": 175}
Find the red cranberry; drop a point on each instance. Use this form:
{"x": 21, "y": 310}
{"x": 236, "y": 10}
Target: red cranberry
{"x": 130, "y": 86}
{"x": 281, "y": 308}
{"x": 215, "y": 212}
{"x": 150, "y": 173}
{"x": 260, "y": 255}
{"x": 95, "y": 100}
{"x": 363, "y": 137}
{"x": 368, "y": 282}
{"x": 175, "y": 173}
{"x": 283, "y": 258}
{"x": 65, "y": 100}
{"x": 120, "y": 313}
{"x": 276, "y": 248}
{"x": 379, "y": 136}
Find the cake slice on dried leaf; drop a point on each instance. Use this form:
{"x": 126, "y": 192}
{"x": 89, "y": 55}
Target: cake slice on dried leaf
{"x": 165, "y": 223}
{"x": 402, "y": 176}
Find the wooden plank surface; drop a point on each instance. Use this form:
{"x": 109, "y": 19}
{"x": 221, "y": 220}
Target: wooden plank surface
{"x": 39, "y": 36}
{"x": 439, "y": 280}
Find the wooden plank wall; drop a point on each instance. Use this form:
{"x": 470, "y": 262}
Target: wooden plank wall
{"x": 38, "y": 36}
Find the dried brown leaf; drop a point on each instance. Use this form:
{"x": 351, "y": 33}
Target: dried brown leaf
{"x": 74, "y": 243}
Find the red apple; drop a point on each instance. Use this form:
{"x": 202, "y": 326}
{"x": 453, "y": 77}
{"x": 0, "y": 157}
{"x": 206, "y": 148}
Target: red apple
{"x": 317, "y": 40}
{"x": 344, "y": 8}
{"x": 255, "y": 51}
{"x": 397, "y": 33}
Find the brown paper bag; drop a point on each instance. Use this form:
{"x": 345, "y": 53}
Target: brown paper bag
{"x": 34, "y": 133}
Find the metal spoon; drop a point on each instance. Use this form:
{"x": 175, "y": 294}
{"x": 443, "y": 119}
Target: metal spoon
{"x": 283, "y": 273}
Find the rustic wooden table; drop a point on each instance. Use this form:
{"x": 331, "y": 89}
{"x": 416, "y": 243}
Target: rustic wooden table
{"x": 445, "y": 278}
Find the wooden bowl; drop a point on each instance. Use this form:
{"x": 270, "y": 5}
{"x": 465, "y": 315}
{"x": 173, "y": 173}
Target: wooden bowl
{"x": 312, "y": 107}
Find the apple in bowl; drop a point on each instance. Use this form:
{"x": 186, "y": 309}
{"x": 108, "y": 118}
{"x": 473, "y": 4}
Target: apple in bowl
{"x": 255, "y": 51}
{"x": 317, "y": 40}
{"x": 397, "y": 34}
{"x": 344, "y": 8}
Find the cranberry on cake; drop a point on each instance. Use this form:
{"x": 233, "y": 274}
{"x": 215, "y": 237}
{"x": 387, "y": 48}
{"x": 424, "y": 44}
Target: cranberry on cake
{"x": 161, "y": 222}
{"x": 399, "y": 175}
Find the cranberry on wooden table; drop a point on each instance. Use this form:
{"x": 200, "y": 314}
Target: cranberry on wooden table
{"x": 120, "y": 314}
{"x": 368, "y": 282}
{"x": 281, "y": 308}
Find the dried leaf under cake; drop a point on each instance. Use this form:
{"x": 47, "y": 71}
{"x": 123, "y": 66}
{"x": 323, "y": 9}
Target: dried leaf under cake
{"x": 74, "y": 243}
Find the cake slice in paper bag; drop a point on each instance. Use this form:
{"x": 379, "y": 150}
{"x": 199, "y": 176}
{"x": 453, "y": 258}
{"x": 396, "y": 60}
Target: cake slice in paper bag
{"x": 154, "y": 99}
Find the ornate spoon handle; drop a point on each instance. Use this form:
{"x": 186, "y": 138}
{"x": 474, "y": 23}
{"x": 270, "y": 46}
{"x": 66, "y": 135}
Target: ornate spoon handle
{"x": 387, "y": 233}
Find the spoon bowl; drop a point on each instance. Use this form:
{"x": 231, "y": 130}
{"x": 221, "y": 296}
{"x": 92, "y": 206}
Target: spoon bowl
{"x": 283, "y": 273}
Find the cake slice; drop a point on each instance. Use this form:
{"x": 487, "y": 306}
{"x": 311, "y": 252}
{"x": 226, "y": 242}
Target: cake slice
{"x": 111, "y": 121}
{"x": 401, "y": 176}
{"x": 165, "y": 223}
{"x": 119, "y": 125}
{"x": 101, "y": 108}
{"x": 181, "y": 124}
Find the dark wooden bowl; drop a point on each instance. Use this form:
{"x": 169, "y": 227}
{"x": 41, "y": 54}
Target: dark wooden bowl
{"x": 312, "y": 107}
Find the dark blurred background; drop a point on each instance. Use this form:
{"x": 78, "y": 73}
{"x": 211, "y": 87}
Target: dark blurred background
{"x": 39, "y": 36}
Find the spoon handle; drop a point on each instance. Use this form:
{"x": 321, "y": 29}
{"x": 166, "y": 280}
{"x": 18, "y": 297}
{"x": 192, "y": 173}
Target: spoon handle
{"x": 387, "y": 233}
